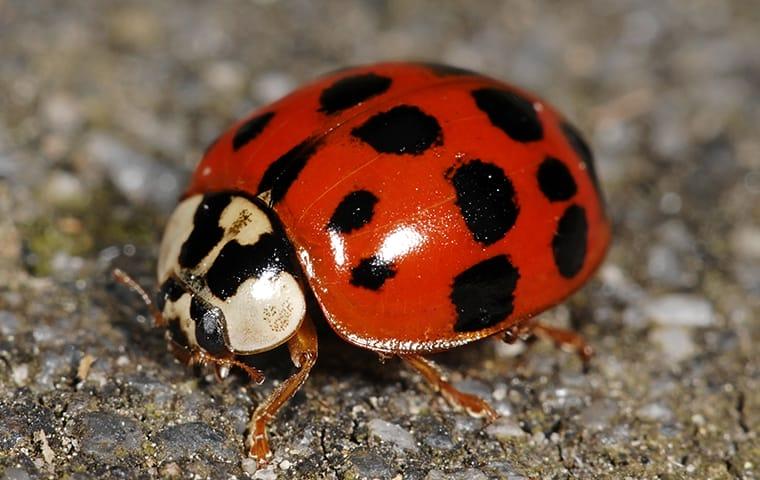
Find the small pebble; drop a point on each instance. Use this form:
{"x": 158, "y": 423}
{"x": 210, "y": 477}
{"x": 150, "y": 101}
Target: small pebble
{"x": 14, "y": 473}
{"x": 9, "y": 323}
{"x": 225, "y": 76}
{"x": 664, "y": 266}
{"x": 171, "y": 470}
{"x": 654, "y": 413}
{"x": 674, "y": 342}
{"x": 680, "y": 310}
{"x": 504, "y": 428}
{"x": 599, "y": 414}
{"x": 134, "y": 174}
{"x": 249, "y": 465}
{"x": 62, "y": 112}
{"x": 392, "y": 433}
{"x": 187, "y": 439}
{"x": 271, "y": 86}
{"x": 63, "y": 188}
{"x": 745, "y": 241}
{"x": 263, "y": 474}
{"x": 369, "y": 464}
{"x": 108, "y": 436}
{"x": 468, "y": 474}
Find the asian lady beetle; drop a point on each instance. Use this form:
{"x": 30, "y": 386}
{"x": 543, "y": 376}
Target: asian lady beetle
{"x": 420, "y": 207}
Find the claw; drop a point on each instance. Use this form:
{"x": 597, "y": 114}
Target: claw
{"x": 222, "y": 371}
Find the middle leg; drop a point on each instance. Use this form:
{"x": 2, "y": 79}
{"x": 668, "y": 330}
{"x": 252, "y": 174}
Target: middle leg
{"x": 472, "y": 404}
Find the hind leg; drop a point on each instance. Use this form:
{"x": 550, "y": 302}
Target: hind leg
{"x": 562, "y": 338}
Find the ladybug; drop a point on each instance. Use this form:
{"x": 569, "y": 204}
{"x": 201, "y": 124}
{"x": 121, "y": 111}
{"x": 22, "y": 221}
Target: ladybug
{"x": 414, "y": 207}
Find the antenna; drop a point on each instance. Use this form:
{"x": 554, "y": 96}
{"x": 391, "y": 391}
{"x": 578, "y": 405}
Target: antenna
{"x": 123, "y": 278}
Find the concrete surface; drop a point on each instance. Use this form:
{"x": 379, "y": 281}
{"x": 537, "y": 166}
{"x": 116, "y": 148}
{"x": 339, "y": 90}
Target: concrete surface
{"x": 106, "y": 106}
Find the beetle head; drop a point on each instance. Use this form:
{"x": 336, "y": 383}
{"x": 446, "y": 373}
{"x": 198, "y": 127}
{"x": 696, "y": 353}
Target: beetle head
{"x": 229, "y": 281}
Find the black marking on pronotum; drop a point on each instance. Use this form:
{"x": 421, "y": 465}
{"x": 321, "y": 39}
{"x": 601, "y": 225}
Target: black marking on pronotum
{"x": 569, "y": 242}
{"x": 353, "y": 212}
{"x": 170, "y": 291}
{"x": 351, "y": 91}
{"x": 206, "y": 230}
{"x": 483, "y": 295}
{"x": 372, "y": 272}
{"x": 250, "y": 129}
{"x": 575, "y": 139}
{"x": 284, "y": 171}
{"x": 402, "y": 129}
{"x": 486, "y": 198}
{"x": 511, "y": 113}
{"x": 208, "y": 326}
{"x": 447, "y": 70}
{"x": 237, "y": 263}
{"x": 555, "y": 180}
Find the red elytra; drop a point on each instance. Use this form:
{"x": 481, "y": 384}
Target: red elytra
{"x": 424, "y": 207}
{"x": 417, "y": 204}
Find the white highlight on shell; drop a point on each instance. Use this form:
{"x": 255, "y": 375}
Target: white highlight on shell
{"x": 265, "y": 312}
{"x": 338, "y": 247}
{"x": 398, "y": 243}
{"x": 303, "y": 255}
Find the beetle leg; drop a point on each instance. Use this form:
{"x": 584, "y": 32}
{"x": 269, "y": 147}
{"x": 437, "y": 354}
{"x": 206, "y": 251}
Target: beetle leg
{"x": 475, "y": 406}
{"x": 563, "y": 338}
{"x": 222, "y": 365}
{"x": 303, "y": 353}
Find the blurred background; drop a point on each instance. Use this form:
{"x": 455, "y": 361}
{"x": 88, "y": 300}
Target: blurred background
{"x": 105, "y": 108}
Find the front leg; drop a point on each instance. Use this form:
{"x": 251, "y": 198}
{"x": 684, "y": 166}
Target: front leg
{"x": 303, "y": 353}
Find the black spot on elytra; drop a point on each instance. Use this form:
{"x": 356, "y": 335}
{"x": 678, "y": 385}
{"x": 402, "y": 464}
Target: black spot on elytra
{"x": 237, "y": 263}
{"x": 555, "y": 180}
{"x": 511, "y": 113}
{"x": 483, "y": 295}
{"x": 486, "y": 198}
{"x": 569, "y": 242}
{"x": 575, "y": 139}
{"x": 170, "y": 291}
{"x": 353, "y": 212}
{"x": 371, "y": 273}
{"x": 206, "y": 230}
{"x": 402, "y": 129}
{"x": 284, "y": 171}
{"x": 351, "y": 91}
{"x": 250, "y": 129}
{"x": 208, "y": 326}
{"x": 447, "y": 70}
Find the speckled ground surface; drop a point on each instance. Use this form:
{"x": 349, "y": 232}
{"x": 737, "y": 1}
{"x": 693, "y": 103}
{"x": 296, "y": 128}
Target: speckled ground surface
{"x": 106, "y": 106}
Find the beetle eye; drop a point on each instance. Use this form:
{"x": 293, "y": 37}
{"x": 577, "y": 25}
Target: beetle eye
{"x": 208, "y": 326}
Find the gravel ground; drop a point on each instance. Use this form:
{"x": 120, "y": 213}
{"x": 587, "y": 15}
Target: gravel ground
{"x": 106, "y": 107}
